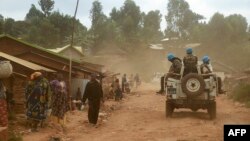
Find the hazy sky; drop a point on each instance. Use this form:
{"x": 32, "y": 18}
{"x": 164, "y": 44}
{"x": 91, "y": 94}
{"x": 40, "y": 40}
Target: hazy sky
{"x": 17, "y": 9}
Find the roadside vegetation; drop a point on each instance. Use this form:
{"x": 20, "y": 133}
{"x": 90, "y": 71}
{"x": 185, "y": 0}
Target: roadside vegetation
{"x": 241, "y": 93}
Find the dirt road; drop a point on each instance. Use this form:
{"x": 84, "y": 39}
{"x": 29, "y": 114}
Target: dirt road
{"x": 141, "y": 117}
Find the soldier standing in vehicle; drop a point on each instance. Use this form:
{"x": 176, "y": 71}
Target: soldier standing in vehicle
{"x": 174, "y": 68}
{"x": 190, "y": 62}
{"x": 206, "y": 68}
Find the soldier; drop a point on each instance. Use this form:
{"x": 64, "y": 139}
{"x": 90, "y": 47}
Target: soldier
{"x": 206, "y": 68}
{"x": 174, "y": 68}
{"x": 190, "y": 61}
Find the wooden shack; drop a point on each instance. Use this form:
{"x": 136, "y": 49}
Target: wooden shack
{"x": 16, "y": 83}
{"x": 48, "y": 59}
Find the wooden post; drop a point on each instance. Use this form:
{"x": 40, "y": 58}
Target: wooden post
{"x": 70, "y": 54}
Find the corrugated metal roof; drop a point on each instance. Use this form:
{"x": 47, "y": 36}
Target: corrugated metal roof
{"x": 47, "y": 51}
{"x": 25, "y": 63}
{"x": 60, "y": 49}
{"x": 37, "y": 47}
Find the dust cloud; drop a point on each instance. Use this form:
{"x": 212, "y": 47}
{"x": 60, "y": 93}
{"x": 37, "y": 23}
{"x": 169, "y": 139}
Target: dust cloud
{"x": 146, "y": 61}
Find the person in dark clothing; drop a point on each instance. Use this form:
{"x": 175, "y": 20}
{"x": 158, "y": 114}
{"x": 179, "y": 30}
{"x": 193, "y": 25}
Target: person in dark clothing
{"x": 174, "y": 68}
{"x": 190, "y": 62}
{"x": 124, "y": 81}
{"x": 206, "y": 69}
{"x": 94, "y": 94}
{"x": 137, "y": 80}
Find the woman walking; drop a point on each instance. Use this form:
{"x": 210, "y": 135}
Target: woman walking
{"x": 59, "y": 99}
{"x": 36, "y": 100}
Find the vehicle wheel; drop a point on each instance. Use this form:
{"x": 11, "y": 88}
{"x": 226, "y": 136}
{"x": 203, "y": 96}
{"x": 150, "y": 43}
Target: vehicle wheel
{"x": 169, "y": 108}
{"x": 192, "y": 85}
{"x": 212, "y": 110}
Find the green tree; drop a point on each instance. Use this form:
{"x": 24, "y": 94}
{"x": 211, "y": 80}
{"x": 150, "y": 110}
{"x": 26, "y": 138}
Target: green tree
{"x": 116, "y": 27}
{"x": 237, "y": 27}
{"x": 81, "y": 36}
{"x": 46, "y": 6}
{"x": 64, "y": 24}
{"x": 180, "y": 19}
{"x": 115, "y": 15}
{"x": 131, "y": 19}
{"x": 218, "y": 29}
{"x": 151, "y": 26}
{"x": 19, "y": 29}
{"x": 34, "y": 14}
{"x": 98, "y": 20}
{"x": 51, "y": 31}
{"x": 8, "y": 26}
{"x": 128, "y": 24}
{"x": 43, "y": 33}
{"x": 1, "y": 24}
{"x": 199, "y": 32}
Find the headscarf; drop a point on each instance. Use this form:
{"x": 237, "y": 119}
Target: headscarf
{"x": 35, "y": 75}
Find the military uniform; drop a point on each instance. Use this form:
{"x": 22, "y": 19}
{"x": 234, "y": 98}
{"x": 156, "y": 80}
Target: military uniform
{"x": 206, "y": 69}
{"x": 190, "y": 61}
{"x": 174, "y": 68}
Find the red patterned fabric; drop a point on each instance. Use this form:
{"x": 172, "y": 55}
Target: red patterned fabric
{"x": 3, "y": 113}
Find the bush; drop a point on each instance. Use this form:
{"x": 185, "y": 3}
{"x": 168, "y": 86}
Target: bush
{"x": 12, "y": 115}
{"x": 15, "y": 137}
{"x": 248, "y": 104}
{"x": 241, "y": 93}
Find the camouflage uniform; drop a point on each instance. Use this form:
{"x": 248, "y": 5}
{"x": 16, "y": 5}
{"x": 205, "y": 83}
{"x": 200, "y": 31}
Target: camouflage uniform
{"x": 205, "y": 69}
{"x": 190, "y": 61}
{"x": 174, "y": 68}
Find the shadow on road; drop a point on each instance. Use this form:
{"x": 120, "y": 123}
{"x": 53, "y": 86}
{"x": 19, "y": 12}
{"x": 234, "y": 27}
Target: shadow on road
{"x": 185, "y": 114}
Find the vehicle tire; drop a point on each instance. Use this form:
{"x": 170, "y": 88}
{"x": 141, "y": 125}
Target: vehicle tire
{"x": 169, "y": 108}
{"x": 192, "y": 85}
{"x": 212, "y": 110}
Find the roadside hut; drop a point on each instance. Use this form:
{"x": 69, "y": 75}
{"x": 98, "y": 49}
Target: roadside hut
{"x": 16, "y": 83}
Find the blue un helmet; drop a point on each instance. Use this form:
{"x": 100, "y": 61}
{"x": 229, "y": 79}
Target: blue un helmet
{"x": 206, "y": 59}
{"x": 170, "y": 56}
{"x": 189, "y": 50}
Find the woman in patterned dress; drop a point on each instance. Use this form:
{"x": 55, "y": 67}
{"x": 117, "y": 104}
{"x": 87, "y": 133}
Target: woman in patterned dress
{"x": 36, "y": 100}
{"x": 59, "y": 99}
